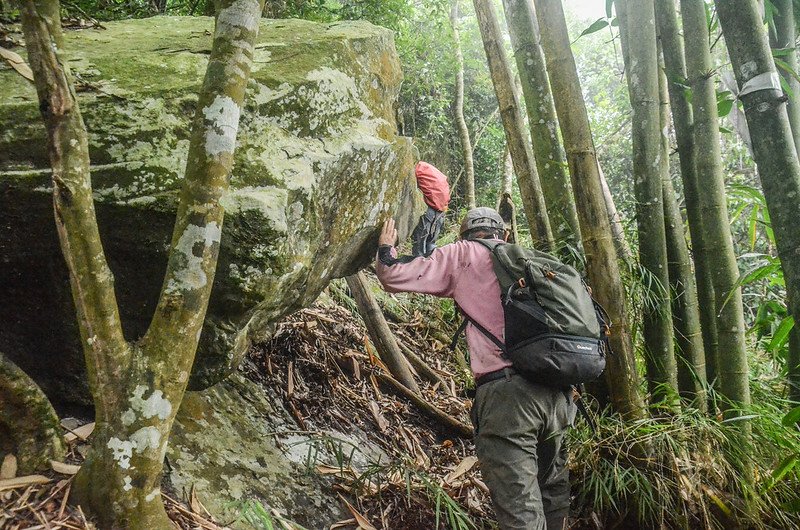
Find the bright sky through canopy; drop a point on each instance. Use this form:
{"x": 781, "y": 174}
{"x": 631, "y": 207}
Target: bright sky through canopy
{"x": 586, "y": 9}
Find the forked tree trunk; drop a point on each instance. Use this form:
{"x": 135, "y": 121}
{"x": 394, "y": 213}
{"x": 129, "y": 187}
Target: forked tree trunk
{"x": 732, "y": 362}
{"x": 379, "y": 332}
{"x": 637, "y": 25}
{"x": 773, "y": 148}
{"x": 783, "y": 38}
{"x": 601, "y": 257}
{"x": 137, "y": 388}
{"x": 683, "y": 120}
{"x": 548, "y": 152}
{"x": 463, "y": 130}
{"x": 689, "y": 354}
{"x": 530, "y": 188}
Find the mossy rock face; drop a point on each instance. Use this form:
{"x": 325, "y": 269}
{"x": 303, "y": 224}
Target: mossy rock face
{"x": 224, "y": 445}
{"x": 318, "y": 167}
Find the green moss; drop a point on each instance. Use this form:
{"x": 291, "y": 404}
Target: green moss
{"x": 318, "y": 163}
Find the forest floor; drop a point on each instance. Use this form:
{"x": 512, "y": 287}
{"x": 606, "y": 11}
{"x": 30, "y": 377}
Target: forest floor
{"x": 324, "y": 365}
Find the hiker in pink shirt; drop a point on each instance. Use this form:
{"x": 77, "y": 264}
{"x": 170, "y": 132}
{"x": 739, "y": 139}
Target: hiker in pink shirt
{"x": 519, "y": 425}
{"x": 436, "y": 193}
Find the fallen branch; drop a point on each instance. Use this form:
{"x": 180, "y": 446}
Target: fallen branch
{"x": 422, "y": 368}
{"x": 445, "y": 420}
{"x": 382, "y": 337}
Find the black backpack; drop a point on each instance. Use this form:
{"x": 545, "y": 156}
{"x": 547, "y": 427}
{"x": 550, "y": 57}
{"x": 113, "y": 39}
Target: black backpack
{"x": 555, "y": 333}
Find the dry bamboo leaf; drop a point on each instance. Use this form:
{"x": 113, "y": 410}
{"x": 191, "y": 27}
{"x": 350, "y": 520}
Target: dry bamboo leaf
{"x": 194, "y": 504}
{"x": 481, "y": 485}
{"x": 9, "y": 467}
{"x": 363, "y": 522}
{"x": 376, "y": 413}
{"x": 21, "y": 482}
{"x": 64, "y": 469}
{"x": 290, "y": 380}
{"x": 324, "y": 469}
{"x": 375, "y": 385}
{"x": 343, "y": 524}
{"x": 81, "y": 433}
{"x": 17, "y": 63}
{"x": 460, "y": 469}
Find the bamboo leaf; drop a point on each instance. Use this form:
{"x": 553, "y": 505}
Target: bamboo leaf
{"x": 781, "y": 335}
{"x": 783, "y": 65}
{"x": 792, "y": 417}
{"x": 596, "y": 26}
{"x": 782, "y": 52}
{"x": 784, "y": 468}
{"x": 753, "y": 227}
{"x": 609, "y": 7}
{"x": 769, "y": 13}
{"x": 787, "y": 89}
{"x": 724, "y": 107}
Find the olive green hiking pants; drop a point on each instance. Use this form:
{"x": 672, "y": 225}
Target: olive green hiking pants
{"x": 519, "y": 439}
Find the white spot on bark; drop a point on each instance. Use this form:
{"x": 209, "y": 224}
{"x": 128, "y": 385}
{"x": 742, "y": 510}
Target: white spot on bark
{"x": 749, "y": 69}
{"x": 146, "y": 438}
{"x": 242, "y": 14}
{"x": 191, "y": 275}
{"x": 122, "y": 451}
{"x": 152, "y": 495}
{"x": 128, "y": 417}
{"x": 222, "y": 124}
{"x": 127, "y": 486}
{"x": 184, "y": 375}
{"x": 155, "y": 405}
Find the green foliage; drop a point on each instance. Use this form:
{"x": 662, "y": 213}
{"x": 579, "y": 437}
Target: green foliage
{"x": 690, "y": 476}
{"x": 597, "y": 25}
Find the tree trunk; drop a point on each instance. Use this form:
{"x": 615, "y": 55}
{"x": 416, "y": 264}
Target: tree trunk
{"x": 463, "y": 130}
{"x": 732, "y": 360}
{"x": 137, "y": 389}
{"x": 28, "y": 420}
{"x": 505, "y": 200}
{"x": 507, "y": 184}
{"x": 601, "y": 258}
{"x": 689, "y": 356}
{"x": 683, "y": 120}
{"x": 521, "y": 154}
{"x": 617, "y": 231}
{"x": 783, "y": 38}
{"x": 637, "y": 25}
{"x": 379, "y": 332}
{"x": 550, "y": 159}
{"x": 773, "y": 147}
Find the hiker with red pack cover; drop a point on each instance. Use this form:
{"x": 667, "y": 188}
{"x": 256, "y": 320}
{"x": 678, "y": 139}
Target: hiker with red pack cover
{"x": 436, "y": 192}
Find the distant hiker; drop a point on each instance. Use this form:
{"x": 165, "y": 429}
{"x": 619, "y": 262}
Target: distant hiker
{"x": 519, "y": 425}
{"x": 436, "y": 192}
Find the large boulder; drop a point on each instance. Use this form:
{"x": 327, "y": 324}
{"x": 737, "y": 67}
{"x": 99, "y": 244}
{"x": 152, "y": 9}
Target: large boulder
{"x": 318, "y": 166}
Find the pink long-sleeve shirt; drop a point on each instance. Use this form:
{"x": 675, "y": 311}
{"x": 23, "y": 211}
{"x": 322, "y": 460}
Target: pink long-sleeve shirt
{"x": 462, "y": 271}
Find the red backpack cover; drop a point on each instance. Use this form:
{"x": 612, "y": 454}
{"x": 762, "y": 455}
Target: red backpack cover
{"x": 433, "y": 185}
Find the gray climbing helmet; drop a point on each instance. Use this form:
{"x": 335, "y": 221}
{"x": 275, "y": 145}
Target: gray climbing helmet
{"x": 483, "y": 217}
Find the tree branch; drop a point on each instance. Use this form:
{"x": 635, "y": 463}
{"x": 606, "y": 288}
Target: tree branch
{"x": 91, "y": 279}
{"x": 175, "y": 329}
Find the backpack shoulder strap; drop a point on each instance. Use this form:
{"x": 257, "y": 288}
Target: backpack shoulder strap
{"x": 491, "y": 244}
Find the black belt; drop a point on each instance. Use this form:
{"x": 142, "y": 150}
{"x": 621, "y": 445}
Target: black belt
{"x": 494, "y": 376}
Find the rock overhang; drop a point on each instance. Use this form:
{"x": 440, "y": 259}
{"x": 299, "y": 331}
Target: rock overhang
{"x": 318, "y": 165}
